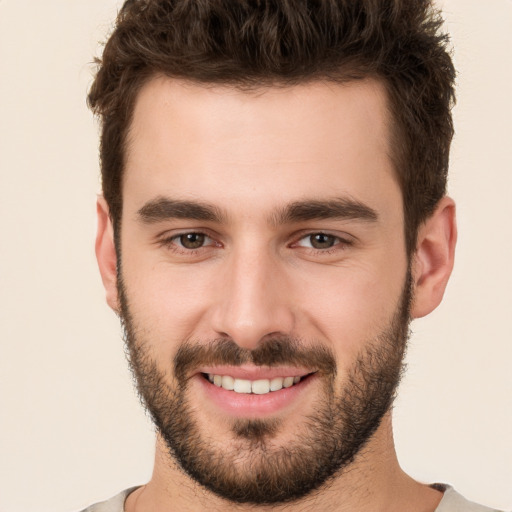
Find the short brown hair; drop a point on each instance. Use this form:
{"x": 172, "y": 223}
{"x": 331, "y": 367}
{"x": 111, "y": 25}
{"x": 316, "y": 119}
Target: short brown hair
{"x": 258, "y": 43}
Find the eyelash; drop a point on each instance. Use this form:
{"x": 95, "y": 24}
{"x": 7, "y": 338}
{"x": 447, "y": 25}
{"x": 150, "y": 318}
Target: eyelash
{"x": 170, "y": 243}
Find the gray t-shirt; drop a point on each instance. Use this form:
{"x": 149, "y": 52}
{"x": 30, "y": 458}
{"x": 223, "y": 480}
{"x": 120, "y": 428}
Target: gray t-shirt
{"x": 452, "y": 502}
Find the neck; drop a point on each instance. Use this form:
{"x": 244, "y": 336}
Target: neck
{"x": 374, "y": 482}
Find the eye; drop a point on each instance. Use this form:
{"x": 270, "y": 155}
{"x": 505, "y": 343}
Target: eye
{"x": 192, "y": 240}
{"x": 188, "y": 245}
{"x": 319, "y": 241}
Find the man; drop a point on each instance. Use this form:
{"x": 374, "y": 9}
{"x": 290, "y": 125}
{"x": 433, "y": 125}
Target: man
{"x": 273, "y": 216}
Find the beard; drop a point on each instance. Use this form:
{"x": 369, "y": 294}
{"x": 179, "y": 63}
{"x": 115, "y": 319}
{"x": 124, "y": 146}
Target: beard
{"x": 252, "y": 467}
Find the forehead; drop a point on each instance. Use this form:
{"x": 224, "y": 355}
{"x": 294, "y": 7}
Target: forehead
{"x": 222, "y": 144}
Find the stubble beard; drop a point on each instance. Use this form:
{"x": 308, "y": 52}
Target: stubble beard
{"x": 252, "y": 467}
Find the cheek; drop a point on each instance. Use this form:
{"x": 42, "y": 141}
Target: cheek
{"x": 351, "y": 307}
{"x": 166, "y": 303}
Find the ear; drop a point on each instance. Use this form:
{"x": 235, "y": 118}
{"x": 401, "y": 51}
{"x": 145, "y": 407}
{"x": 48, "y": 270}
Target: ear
{"x": 433, "y": 260}
{"x": 106, "y": 253}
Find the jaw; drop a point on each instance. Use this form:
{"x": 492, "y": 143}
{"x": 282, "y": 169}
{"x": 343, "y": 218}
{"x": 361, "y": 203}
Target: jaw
{"x": 376, "y": 462}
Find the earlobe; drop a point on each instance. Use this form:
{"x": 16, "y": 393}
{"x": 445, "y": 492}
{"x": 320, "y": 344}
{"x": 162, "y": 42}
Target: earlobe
{"x": 433, "y": 260}
{"x": 106, "y": 253}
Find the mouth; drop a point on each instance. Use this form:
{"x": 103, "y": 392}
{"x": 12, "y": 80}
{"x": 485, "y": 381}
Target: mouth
{"x": 254, "y": 392}
{"x": 256, "y": 387}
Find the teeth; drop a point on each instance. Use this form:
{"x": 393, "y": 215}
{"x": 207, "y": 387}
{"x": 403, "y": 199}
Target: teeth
{"x": 258, "y": 387}
{"x": 261, "y": 387}
{"x": 242, "y": 386}
{"x": 276, "y": 384}
{"x": 228, "y": 382}
{"x": 288, "y": 382}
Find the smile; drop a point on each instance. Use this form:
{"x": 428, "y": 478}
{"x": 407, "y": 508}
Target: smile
{"x": 256, "y": 387}
{"x": 256, "y": 392}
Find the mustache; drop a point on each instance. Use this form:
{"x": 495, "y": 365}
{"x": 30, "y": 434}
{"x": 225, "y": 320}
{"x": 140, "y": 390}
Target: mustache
{"x": 274, "y": 351}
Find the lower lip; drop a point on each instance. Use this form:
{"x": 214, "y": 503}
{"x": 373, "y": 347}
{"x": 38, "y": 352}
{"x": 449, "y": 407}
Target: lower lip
{"x": 250, "y": 404}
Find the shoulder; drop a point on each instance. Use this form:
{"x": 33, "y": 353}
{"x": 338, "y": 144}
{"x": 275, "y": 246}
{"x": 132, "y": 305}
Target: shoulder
{"x": 114, "y": 504}
{"x": 454, "y": 502}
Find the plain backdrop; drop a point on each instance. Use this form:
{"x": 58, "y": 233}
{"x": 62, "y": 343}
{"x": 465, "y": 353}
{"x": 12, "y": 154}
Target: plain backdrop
{"x": 71, "y": 428}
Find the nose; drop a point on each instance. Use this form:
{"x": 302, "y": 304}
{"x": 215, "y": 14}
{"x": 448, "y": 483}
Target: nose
{"x": 253, "y": 300}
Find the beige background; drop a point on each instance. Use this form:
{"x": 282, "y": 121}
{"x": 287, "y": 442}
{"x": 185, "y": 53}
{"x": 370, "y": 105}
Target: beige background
{"x": 71, "y": 428}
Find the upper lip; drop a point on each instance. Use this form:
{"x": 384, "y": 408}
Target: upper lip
{"x": 255, "y": 372}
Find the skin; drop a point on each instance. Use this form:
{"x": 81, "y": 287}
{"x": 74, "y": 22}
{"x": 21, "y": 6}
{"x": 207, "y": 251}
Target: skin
{"x": 250, "y": 155}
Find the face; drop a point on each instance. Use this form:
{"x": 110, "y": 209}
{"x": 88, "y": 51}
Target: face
{"x": 263, "y": 279}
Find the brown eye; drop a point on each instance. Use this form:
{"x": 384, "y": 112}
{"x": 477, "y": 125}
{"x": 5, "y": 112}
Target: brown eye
{"x": 322, "y": 241}
{"x": 192, "y": 240}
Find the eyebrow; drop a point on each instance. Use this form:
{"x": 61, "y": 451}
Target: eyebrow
{"x": 339, "y": 208}
{"x": 162, "y": 208}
